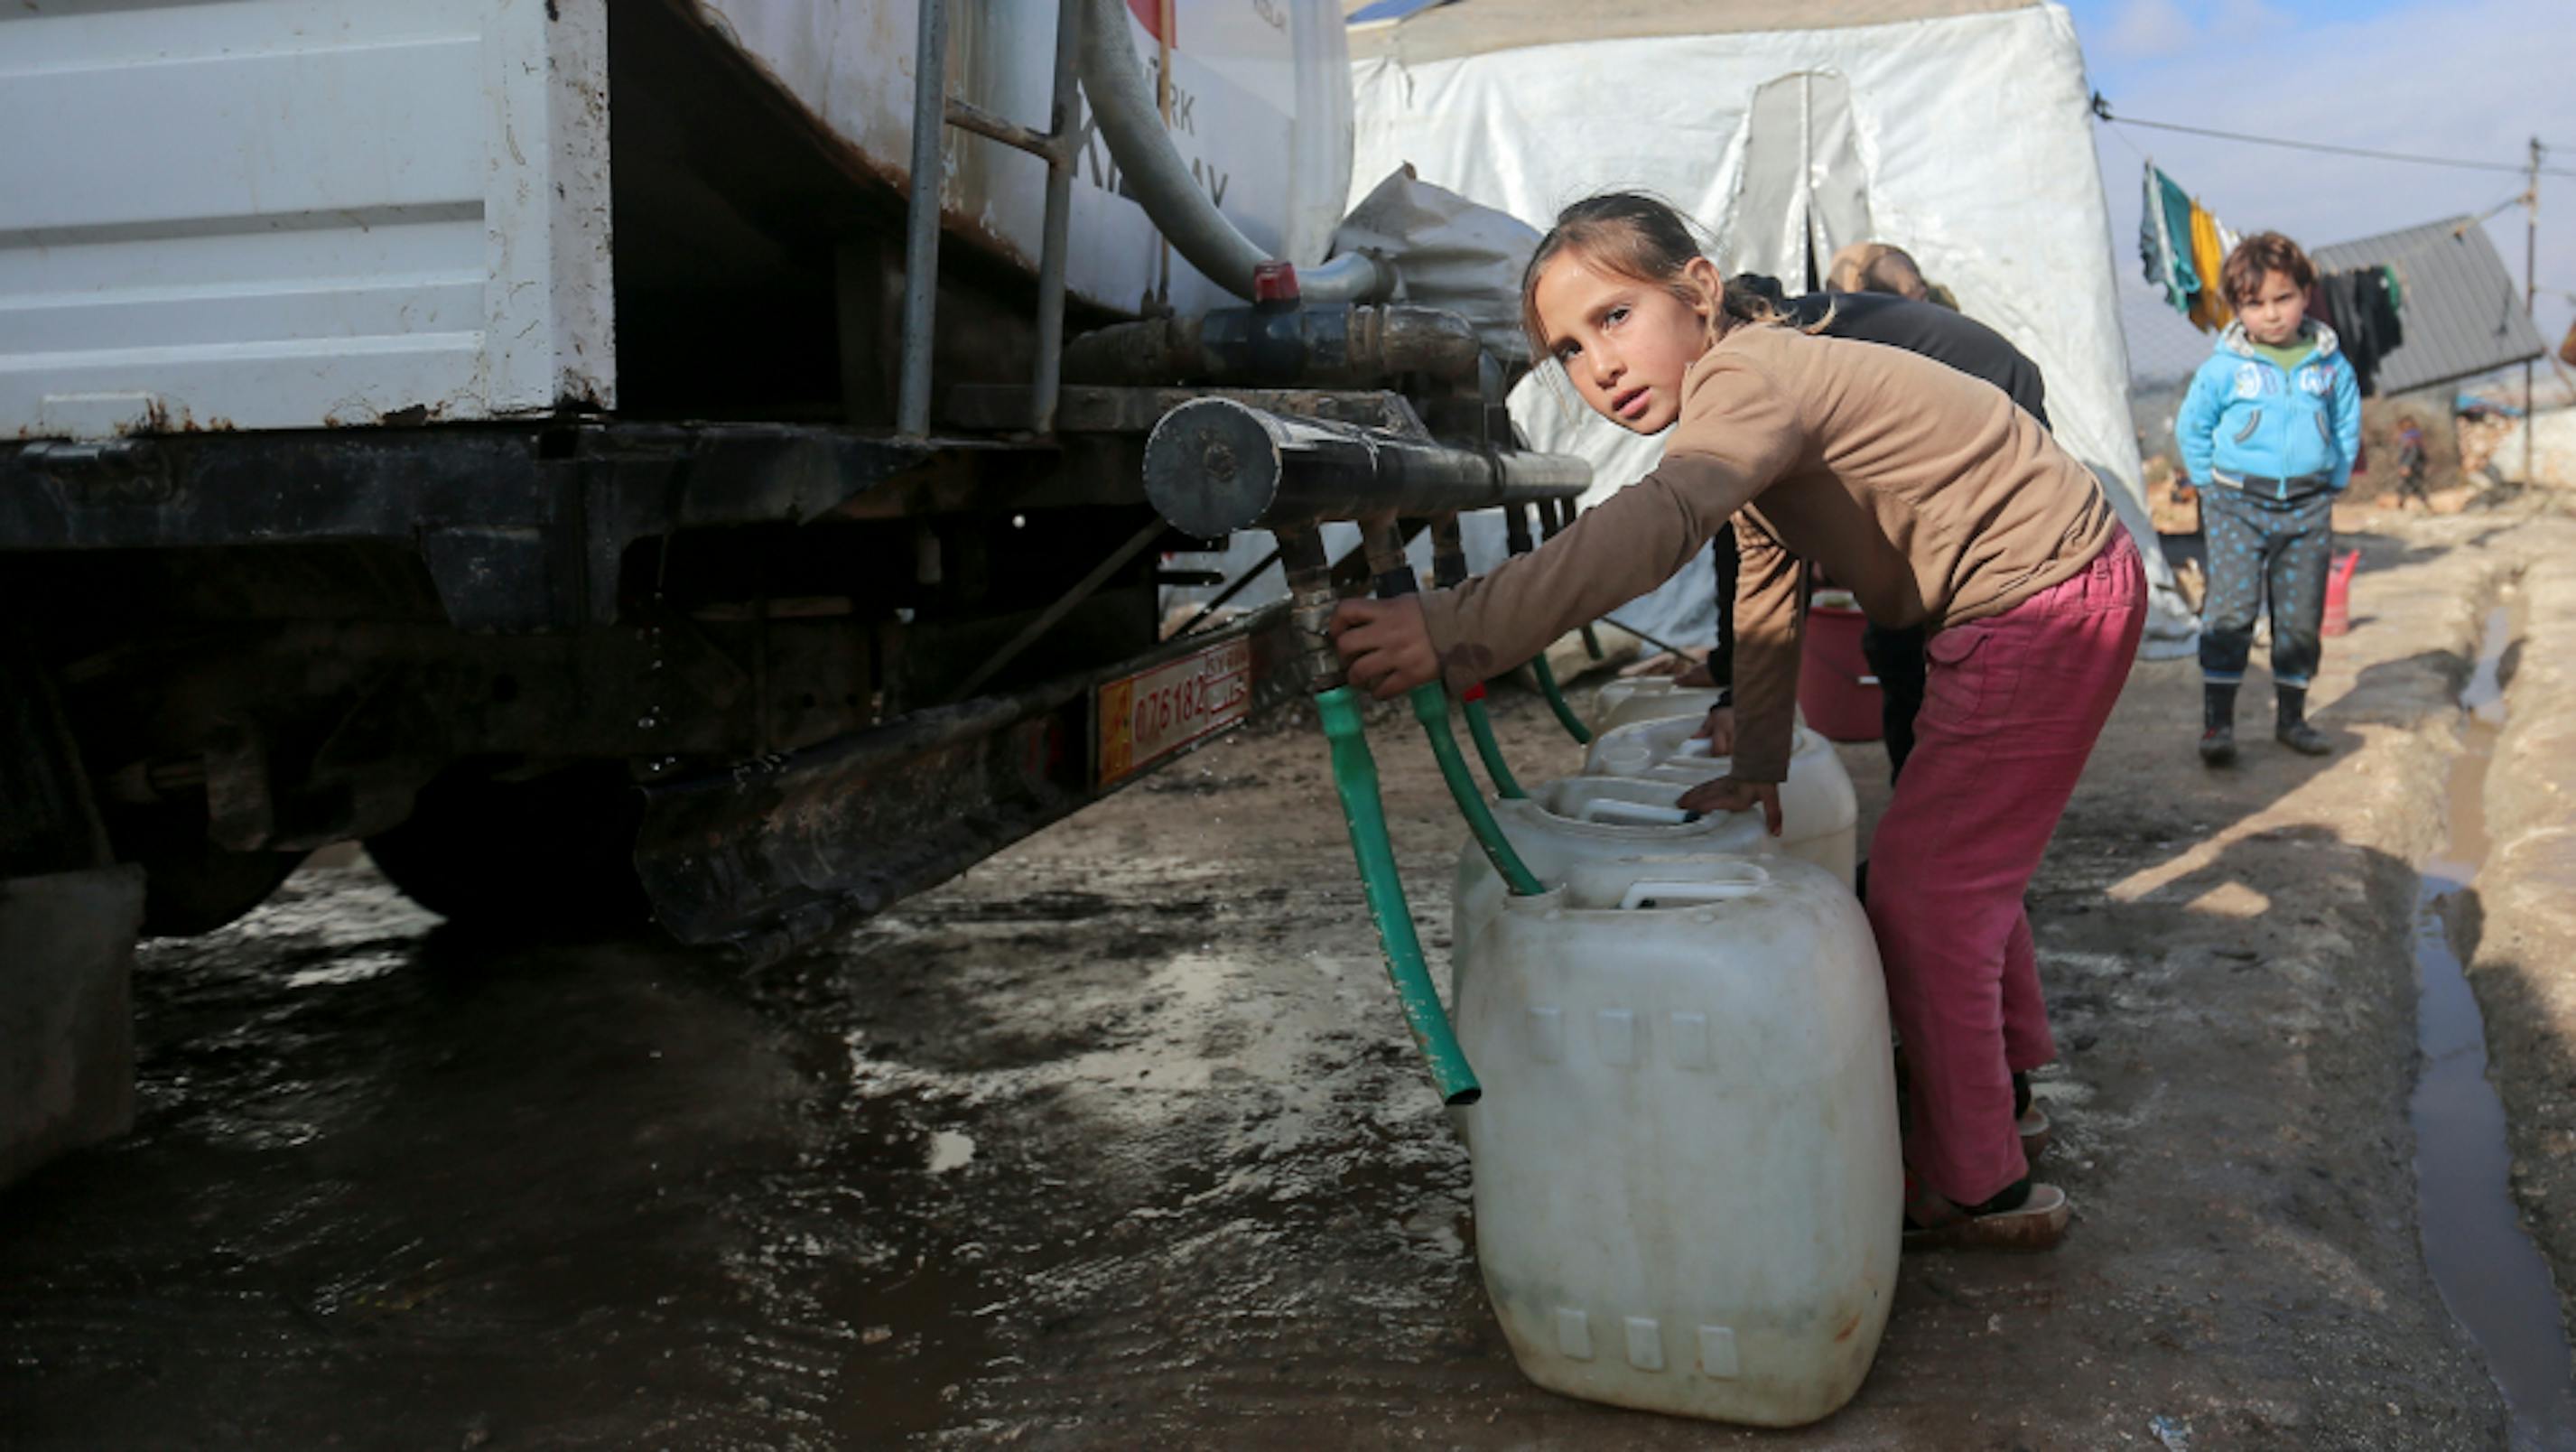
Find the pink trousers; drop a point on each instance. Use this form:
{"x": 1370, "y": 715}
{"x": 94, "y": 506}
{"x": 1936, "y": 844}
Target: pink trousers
{"x": 2010, "y": 712}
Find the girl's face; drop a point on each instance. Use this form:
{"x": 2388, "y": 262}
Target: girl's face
{"x": 2273, "y": 310}
{"x": 1625, "y": 343}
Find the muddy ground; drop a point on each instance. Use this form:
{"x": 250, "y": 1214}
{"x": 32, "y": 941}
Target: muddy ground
{"x": 2516, "y": 925}
{"x": 1117, "y": 1142}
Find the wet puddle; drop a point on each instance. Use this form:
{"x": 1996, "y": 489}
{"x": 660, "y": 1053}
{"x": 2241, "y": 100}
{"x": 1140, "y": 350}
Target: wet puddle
{"x": 2490, "y": 1274}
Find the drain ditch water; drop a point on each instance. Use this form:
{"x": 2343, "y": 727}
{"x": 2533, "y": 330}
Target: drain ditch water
{"x": 2491, "y": 1276}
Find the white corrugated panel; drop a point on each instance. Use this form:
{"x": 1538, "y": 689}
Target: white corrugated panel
{"x": 300, "y": 213}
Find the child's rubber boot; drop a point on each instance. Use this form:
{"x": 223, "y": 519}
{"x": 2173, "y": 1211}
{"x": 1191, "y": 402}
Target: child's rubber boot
{"x": 2291, "y": 728}
{"x": 2024, "y": 1217}
{"x": 2217, "y": 723}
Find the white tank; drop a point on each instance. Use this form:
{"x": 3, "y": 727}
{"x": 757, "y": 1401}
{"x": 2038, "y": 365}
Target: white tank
{"x": 1261, "y": 113}
{"x": 1587, "y": 819}
{"x": 1687, "y": 1181}
{"x": 1818, "y": 810}
{"x": 1648, "y": 698}
{"x": 301, "y": 214}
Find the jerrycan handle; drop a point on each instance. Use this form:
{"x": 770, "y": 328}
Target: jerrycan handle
{"x": 1612, "y": 810}
{"x": 1695, "y": 749}
{"x": 1666, "y": 894}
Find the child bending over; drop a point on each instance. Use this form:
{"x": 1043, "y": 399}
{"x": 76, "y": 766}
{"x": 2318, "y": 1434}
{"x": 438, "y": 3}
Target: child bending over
{"x": 1939, "y": 503}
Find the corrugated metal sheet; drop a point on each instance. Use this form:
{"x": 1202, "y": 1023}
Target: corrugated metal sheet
{"x": 2463, "y": 315}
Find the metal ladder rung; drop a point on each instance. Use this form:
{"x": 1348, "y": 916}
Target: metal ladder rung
{"x": 967, "y": 116}
{"x": 933, "y": 111}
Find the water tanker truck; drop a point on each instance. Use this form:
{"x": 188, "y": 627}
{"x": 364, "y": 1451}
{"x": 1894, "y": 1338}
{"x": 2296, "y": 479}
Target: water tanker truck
{"x": 652, "y": 462}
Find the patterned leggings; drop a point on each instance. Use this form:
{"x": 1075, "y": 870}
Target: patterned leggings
{"x": 2259, "y": 546}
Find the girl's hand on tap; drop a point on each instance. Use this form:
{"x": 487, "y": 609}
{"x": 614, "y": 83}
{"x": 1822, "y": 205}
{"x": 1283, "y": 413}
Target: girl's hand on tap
{"x": 1385, "y": 645}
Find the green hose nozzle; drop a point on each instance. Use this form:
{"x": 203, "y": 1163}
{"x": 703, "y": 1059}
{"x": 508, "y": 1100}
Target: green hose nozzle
{"x": 1355, "y": 779}
{"x": 1431, "y": 708}
{"x": 1565, "y": 716}
{"x": 1480, "y": 725}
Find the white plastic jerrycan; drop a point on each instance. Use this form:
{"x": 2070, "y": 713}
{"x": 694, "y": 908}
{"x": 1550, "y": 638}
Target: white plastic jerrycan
{"x": 1688, "y": 1187}
{"x": 1586, "y": 819}
{"x": 1818, "y": 811}
{"x": 1648, "y": 698}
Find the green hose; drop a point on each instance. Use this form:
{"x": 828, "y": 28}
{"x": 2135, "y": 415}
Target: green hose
{"x": 1355, "y": 778}
{"x": 1565, "y": 716}
{"x": 1431, "y": 708}
{"x": 1481, "y": 726}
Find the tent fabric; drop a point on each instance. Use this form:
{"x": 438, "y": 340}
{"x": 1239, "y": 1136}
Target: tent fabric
{"x": 1447, "y": 253}
{"x": 1973, "y": 150}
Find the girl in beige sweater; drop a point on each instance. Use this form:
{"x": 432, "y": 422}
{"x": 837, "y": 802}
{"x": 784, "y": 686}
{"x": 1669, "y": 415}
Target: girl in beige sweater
{"x": 1937, "y": 502}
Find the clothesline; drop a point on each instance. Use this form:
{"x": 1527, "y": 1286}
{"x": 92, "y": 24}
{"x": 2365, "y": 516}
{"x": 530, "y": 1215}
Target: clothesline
{"x": 2518, "y": 199}
{"x": 2521, "y": 198}
{"x": 2102, "y": 109}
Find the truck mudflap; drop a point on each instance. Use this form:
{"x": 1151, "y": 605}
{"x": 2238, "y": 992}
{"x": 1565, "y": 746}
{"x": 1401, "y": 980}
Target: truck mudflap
{"x": 780, "y": 853}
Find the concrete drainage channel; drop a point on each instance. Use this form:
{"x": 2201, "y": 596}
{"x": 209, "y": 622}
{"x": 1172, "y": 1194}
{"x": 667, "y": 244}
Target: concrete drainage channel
{"x": 2491, "y": 1275}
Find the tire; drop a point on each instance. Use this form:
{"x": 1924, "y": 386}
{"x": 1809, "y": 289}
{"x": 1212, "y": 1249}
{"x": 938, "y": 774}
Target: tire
{"x": 544, "y": 859}
{"x": 194, "y": 888}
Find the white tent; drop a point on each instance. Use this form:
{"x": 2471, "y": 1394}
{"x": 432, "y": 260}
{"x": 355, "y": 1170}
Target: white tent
{"x": 1956, "y": 129}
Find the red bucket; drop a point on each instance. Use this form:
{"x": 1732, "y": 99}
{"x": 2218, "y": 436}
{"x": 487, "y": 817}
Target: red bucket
{"x": 2339, "y": 593}
{"x": 1835, "y": 685}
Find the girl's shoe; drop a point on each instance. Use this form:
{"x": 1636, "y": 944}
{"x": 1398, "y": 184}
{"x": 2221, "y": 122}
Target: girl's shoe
{"x": 2029, "y": 1118}
{"x": 2035, "y": 1131}
{"x": 2218, "y": 745}
{"x": 2025, "y": 1217}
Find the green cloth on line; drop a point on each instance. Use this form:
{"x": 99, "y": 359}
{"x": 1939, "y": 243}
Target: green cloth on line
{"x": 2164, "y": 241}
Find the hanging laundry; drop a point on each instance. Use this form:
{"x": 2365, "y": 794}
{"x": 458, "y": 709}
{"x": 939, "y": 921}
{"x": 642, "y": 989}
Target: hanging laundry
{"x": 2210, "y": 310}
{"x": 2387, "y": 309}
{"x": 2164, "y": 240}
{"x": 2321, "y": 307}
{"x": 2352, "y": 312}
{"x": 2184, "y": 246}
{"x": 2363, "y": 306}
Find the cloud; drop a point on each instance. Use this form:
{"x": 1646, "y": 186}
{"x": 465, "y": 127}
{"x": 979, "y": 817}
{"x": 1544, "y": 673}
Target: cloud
{"x": 2147, "y": 30}
{"x": 2151, "y": 28}
{"x": 2236, "y": 21}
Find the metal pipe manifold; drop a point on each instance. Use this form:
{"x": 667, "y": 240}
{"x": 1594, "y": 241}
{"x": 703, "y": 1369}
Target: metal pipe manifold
{"x": 1213, "y": 466}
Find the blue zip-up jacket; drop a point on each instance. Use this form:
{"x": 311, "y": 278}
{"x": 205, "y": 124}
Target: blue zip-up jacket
{"x": 2244, "y": 416}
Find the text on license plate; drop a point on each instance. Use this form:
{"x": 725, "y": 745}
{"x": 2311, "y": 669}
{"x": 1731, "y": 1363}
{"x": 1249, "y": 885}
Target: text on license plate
{"x": 1153, "y": 713}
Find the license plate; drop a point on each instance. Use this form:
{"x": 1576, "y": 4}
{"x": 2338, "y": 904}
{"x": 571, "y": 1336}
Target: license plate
{"x": 1153, "y": 713}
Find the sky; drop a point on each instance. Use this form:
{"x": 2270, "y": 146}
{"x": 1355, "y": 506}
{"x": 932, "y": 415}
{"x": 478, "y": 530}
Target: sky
{"x": 2473, "y": 80}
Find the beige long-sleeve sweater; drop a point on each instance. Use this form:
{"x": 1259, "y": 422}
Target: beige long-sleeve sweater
{"x": 1922, "y": 490}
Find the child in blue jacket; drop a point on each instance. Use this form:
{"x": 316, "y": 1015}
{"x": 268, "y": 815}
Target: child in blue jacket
{"x": 2269, "y": 432}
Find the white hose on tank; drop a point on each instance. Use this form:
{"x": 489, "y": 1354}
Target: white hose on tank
{"x": 1122, "y": 100}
